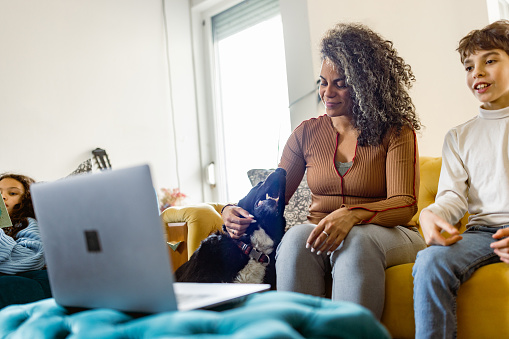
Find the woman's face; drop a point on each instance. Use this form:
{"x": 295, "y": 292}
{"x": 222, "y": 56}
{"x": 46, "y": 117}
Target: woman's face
{"x": 12, "y": 192}
{"x": 333, "y": 91}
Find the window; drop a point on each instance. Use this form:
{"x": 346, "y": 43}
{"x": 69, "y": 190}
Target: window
{"x": 498, "y": 9}
{"x": 250, "y": 95}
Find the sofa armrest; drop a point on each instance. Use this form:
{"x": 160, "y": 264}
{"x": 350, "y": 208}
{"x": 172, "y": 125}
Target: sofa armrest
{"x": 202, "y": 219}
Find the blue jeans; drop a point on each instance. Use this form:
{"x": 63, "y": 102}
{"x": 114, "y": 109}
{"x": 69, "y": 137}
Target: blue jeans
{"x": 438, "y": 273}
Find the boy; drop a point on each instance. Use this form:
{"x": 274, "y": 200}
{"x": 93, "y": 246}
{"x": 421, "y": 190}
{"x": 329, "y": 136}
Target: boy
{"x": 474, "y": 177}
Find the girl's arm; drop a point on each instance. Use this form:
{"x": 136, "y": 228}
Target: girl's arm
{"x": 23, "y": 254}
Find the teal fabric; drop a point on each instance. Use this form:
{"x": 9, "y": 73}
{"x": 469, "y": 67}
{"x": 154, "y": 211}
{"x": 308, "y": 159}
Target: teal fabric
{"x": 24, "y": 287}
{"x": 266, "y": 315}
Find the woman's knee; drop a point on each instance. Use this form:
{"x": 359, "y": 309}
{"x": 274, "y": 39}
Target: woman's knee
{"x": 361, "y": 240}
{"x": 298, "y": 234}
{"x": 294, "y": 240}
{"x": 359, "y": 249}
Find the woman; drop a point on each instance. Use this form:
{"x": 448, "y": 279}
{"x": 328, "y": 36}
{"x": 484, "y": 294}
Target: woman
{"x": 22, "y": 278}
{"x": 362, "y": 168}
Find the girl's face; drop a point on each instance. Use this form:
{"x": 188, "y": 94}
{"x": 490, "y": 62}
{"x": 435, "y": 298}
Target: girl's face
{"x": 12, "y": 192}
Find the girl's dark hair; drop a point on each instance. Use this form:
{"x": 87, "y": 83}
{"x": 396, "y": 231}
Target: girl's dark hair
{"x": 22, "y": 211}
{"x": 493, "y": 36}
{"x": 379, "y": 80}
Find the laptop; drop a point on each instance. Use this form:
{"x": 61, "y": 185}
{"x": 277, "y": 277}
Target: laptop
{"x": 105, "y": 247}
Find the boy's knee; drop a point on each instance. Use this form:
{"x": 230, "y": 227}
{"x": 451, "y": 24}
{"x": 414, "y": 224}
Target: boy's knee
{"x": 427, "y": 261}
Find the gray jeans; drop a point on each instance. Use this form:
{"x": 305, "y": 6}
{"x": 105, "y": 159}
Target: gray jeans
{"x": 357, "y": 266}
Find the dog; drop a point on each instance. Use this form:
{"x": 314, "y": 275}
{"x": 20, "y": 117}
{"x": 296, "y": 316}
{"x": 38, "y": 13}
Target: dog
{"x": 250, "y": 259}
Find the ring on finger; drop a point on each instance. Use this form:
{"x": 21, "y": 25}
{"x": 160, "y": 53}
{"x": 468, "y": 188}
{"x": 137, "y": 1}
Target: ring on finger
{"x": 326, "y": 234}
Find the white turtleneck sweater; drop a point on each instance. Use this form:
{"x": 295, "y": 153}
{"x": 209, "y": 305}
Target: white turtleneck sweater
{"x": 475, "y": 171}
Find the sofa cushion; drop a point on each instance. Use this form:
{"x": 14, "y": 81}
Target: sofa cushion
{"x": 479, "y": 309}
{"x": 296, "y": 212}
{"x": 265, "y": 315}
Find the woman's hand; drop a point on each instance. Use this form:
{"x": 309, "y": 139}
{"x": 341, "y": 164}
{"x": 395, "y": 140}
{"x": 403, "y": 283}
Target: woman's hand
{"x": 432, "y": 225}
{"x": 333, "y": 229}
{"x": 236, "y": 220}
{"x": 501, "y": 247}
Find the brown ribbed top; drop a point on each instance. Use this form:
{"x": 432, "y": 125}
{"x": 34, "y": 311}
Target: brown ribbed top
{"x": 383, "y": 179}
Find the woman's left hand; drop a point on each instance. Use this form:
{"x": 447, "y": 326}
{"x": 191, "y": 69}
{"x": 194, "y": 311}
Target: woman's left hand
{"x": 333, "y": 229}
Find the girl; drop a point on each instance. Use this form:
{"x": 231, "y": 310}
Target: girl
{"x": 22, "y": 278}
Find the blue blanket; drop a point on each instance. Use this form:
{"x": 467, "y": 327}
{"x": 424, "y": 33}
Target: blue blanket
{"x": 266, "y": 315}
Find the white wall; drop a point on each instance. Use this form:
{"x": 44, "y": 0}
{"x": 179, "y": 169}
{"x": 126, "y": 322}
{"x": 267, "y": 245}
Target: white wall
{"x": 76, "y": 75}
{"x": 426, "y": 34}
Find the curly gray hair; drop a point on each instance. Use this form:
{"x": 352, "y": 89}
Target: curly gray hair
{"x": 379, "y": 80}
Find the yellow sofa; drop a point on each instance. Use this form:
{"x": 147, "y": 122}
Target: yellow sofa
{"x": 483, "y": 301}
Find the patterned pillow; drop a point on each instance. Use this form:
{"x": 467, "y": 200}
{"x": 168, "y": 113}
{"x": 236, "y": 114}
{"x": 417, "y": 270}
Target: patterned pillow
{"x": 296, "y": 212}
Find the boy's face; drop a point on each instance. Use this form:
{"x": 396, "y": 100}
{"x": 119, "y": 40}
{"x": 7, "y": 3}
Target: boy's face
{"x": 488, "y": 77}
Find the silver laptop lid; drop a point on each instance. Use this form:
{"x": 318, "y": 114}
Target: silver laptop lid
{"x": 104, "y": 243}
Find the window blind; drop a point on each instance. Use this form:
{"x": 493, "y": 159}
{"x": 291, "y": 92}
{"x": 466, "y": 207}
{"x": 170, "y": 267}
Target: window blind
{"x": 242, "y": 16}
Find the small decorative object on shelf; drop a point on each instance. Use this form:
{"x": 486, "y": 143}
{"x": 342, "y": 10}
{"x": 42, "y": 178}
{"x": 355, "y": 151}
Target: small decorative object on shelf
{"x": 174, "y": 246}
{"x": 171, "y": 197}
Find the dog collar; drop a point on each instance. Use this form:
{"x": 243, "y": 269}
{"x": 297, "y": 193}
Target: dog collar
{"x": 250, "y": 250}
{"x": 253, "y": 252}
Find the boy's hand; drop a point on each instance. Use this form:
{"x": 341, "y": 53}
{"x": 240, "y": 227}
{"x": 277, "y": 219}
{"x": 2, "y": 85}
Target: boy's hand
{"x": 501, "y": 247}
{"x": 432, "y": 225}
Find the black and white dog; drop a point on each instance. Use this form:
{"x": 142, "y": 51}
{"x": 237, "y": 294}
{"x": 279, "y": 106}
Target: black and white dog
{"x": 250, "y": 259}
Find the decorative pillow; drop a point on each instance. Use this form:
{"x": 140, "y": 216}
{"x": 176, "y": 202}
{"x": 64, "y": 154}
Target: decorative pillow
{"x": 296, "y": 212}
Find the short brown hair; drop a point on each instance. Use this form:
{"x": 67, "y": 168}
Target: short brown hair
{"x": 493, "y": 36}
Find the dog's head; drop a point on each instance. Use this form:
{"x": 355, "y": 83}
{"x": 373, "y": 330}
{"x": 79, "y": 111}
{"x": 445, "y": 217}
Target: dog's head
{"x": 266, "y": 201}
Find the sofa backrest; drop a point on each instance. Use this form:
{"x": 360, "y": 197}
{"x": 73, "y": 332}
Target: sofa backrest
{"x": 430, "y": 174}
